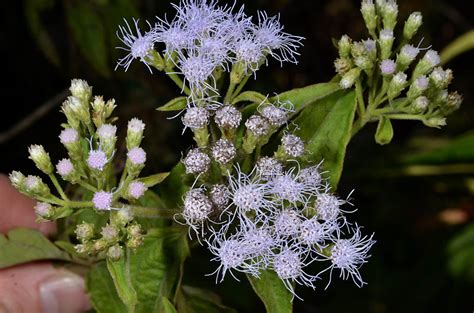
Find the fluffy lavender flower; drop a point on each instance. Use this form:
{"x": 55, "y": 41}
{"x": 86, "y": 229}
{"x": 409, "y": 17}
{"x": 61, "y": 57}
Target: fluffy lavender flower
{"x": 249, "y": 52}
{"x": 388, "y": 67}
{"x": 293, "y": 145}
{"x": 311, "y": 178}
{"x": 260, "y": 241}
{"x": 286, "y": 187}
{"x": 197, "y": 68}
{"x": 223, "y": 151}
{"x": 137, "y": 156}
{"x": 173, "y": 36}
{"x": 196, "y": 162}
{"x": 280, "y": 45}
{"x": 97, "y": 159}
{"x": 136, "y": 189}
{"x": 65, "y": 167}
{"x": 196, "y": 117}
{"x": 268, "y": 167}
{"x": 68, "y": 135}
{"x": 328, "y": 206}
{"x": 348, "y": 255}
{"x": 228, "y": 117}
{"x": 102, "y": 200}
{"x": 287, "y": 223}
{"x": 312, "y": 232}
{"x": 137, "y": 45}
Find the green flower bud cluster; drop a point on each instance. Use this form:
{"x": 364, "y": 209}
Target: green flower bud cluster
{"x": 111, "y": 239}
{"x": 90, "y": 140}
{"x": 394, "y": 79}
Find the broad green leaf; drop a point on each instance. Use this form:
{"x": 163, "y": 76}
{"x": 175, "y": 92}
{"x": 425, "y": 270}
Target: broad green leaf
{"x": 196, "y": 300}
{"x": 384, "y": 133}
{"x": 120, "y": 273}
{"x": 176, "y": 104}
{"x": 460, "y": 45}
{"x": 251, "y": 96}
{"x": 152, "y": 200}
{"x": 459, "y": 150}
{"x": 89, "y": 33}
{"x": 168, "y": 307}
{"x": 23, "y": 245}
{"x": 325, "y": 126}
{"x": 461, "y": 254}
{"x": 301, "y": 97}
{"x": 101, "y": 289}
{"x": 156, "y": 267}
{"x": 33, "y": 10}
{"x": 272, "y": 291}
{"x": 153, "y": 180}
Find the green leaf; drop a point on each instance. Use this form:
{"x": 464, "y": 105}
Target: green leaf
{"x": 33, "y": 10}
{"x": 23, "y": 245}
{"x": 101, "y": 289}
{"x": 153, "y": 180}
{"x": 251, "y": 96}
{"x": 384, "y": 133}
{"x": 325, "y": 126}
{"x": 460, "y": 45}
{"x": 301, "y": 97}
{"x": 177, "y": 104}
{"x": 168, "y": 306}
{"x": 89, "y": 33}
{"x": 196, "y": 300}
{"x": 272, "y": 291}
{"x": 156, "y": 267}
{"x": 461, "y": 254}
{"x": 120, "y": 273}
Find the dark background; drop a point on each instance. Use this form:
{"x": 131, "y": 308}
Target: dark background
{"x": 424, "y": 257}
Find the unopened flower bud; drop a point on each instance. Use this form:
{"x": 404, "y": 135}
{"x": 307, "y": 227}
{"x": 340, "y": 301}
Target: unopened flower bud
{"x": 223, "y": 151}
{"x": 36, "y": 187}
{"x": 134, "y": 133}
{"x": 429, "y": 61}
{"x": 454, "y": 102}
{"x": 441, "y": 98}
{"x": 389, "y": 12}
{"x": 81, "y": 90}
{"x": 99, "y": 245}
{"x": 386, "y": 43}
{"x": 84, "y": 232}
{"x": 196, "y": 117}
{"x": 387, "y": 67}
{"x": 115, "y": 253}
{"x": 78, "y": 108}
{"x": 134, "y": 230}
{"x": 196, "y": 162}
{"x": 82, "y": 248}
{"x": 417, "y": 87}
{"x": 342, "y": 65}
{"x": 123, "y": 216}
{"x": 72, "y": 118}
{"x": 397, "y": 84}
{"x": 41, "y": 159}
{"x": 344, "y": 46}
{"x": 102, "y": 200}
{"x": 436, "y": 122}
{"x": 44, "y": 210}
{"x": 412, "y": 25}
{"x": 228, "y": 117}
{"x": 369, "y": 15}
{"x": 135, "y": 236}
{"x": 349, "y": 78}
{"x": 420, "y": 105}
{"x": 109, "y": 233}
{"x": 109, "y": 108}
{"x": 440, "y": 78}
{"x": 107, "y": 137}
{"x": 18, "y": 181}
{"x": 406, "y": 56}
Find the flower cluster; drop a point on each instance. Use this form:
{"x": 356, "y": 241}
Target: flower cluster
{"x": 405, "y": 80}
{"x": 90, "y": 139}
{"x": 204, "y": 39}
{"x": 276, "y": 218}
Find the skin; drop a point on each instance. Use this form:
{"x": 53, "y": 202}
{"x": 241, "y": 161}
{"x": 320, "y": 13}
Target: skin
{"x": 21, "y": 286}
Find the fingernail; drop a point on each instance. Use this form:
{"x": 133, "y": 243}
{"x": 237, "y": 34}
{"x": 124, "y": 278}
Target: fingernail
{"x": 63, "y": 293}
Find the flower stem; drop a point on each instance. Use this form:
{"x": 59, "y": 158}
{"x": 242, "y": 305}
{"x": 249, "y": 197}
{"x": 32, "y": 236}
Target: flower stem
{"x": 148, "y": 212}
{"x": 58, "y": 187}
{"x": 240, "y": 86}
{"x": 228, "y": 95}
{"x": 179, "y": 82}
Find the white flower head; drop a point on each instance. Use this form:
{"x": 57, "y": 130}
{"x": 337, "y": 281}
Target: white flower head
{"x": 197, "y": 207}
{"x": 268, "y": 167}
{"x": 197, "y": 70}
{"x": 286, "y": 187}
{"x": 196, "y": 162}
{"x": 287, "y": 223}
{"x": 196, "y": 117}
{"x": 293, "y": 145}
{"x": 228, "y": 117}
{"x": 137, "y": 45}
{"x": 223, "y": 151}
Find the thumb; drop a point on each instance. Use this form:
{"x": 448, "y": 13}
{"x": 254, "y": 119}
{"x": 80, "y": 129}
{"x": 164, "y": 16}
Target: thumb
{"x": 41, "y": 288}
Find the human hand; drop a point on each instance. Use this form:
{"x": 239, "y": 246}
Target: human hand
{"x": 36, "y": 287}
